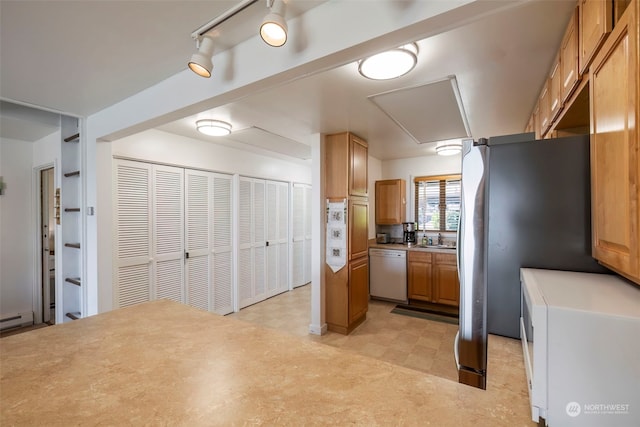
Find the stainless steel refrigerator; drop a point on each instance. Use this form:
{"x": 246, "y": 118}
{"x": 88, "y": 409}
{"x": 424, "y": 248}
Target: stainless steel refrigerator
{"x": 525, "y": 203}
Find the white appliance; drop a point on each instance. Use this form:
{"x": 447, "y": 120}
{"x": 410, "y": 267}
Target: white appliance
{"x": 584, "y": 368}
{"x": 388, "y": 274}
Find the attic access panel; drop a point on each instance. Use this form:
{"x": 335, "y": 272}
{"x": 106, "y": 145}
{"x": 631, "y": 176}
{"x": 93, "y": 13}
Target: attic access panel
{"x": 427, "y": 113}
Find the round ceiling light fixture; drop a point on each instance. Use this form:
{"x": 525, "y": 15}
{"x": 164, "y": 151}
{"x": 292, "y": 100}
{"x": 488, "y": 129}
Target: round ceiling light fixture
{"x": 449, "y": 148}
{"x": 213, "y": 127}
{"x": 390, "y": 64}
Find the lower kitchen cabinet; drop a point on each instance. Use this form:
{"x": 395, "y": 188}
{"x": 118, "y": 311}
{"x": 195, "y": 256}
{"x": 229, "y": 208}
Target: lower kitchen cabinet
{"x": 419, "y": 275}
{"x": 358, "y": 289}
{"x": 433, "y": 278}
{"x": 446, "y": 289}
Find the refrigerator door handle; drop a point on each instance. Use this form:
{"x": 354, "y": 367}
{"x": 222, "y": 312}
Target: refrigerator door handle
{"x": 456, "y": 351}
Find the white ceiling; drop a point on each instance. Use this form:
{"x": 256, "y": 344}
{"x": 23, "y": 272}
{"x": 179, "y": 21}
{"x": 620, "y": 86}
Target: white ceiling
{"x": 80, "y": 57}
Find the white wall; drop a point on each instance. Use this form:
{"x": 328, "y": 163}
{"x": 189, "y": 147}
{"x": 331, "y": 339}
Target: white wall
{"x": 162, "y": 147}
{"x": 17, "y": 245}
{"x": 18, "y": 219}
{"x": 375, "y": 174}
{"x": 408, "y": 169}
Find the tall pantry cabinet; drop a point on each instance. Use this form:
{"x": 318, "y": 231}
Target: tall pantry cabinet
{"x": 346, "y": 178}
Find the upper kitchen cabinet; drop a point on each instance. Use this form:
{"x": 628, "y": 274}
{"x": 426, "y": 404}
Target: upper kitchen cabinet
{"x": 569, "y": 62}
{"x": 615, "y": 163}
{"x": 595, "y": 23}
{"x": 544, "y": 112}
{"x": 391, "y": 201}
{"x": 346, "y": 162}
{"x": 555, "y": 89}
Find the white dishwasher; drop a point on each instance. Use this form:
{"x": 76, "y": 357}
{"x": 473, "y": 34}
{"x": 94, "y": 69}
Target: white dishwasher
{"x": 388, "y": 274}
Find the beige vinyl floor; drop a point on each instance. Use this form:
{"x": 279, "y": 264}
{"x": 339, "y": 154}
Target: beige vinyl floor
{"x": 415, "y": 343}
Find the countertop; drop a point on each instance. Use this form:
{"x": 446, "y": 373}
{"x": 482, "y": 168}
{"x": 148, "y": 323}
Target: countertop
{"x": 402, "y": 247}
{"x": 164, "y": 363}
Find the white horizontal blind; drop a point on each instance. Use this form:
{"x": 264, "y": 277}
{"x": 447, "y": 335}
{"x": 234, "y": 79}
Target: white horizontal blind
{"x": 437, "y": 203}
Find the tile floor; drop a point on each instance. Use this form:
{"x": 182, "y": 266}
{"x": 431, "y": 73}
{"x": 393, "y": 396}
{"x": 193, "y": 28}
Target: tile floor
{"x": 419, "y": 344}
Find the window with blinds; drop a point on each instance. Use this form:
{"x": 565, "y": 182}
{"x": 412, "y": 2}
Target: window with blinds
{"x": 437, "y": 202}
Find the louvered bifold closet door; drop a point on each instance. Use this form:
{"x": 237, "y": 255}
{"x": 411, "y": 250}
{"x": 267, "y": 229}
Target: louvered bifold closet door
{"x": 297, "y": 227}
{"x": 307, "y": 233}
{"x": 283, "y": 237}
{"x": 132, "y": 214}
{"x": 198, "y": 216}
{"x": 277, "y": 231}
{"x": 168, "y": 232}
{"x": 222, "y": 269}
{"x": 259, "y": 240}
{"x": 252, "y": 240}
{"x": 245, "y": 242}
{"x": 272, "y": 237}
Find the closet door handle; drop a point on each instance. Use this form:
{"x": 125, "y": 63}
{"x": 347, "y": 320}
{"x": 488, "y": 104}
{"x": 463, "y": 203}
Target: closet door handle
{"x": 186, "y": 255}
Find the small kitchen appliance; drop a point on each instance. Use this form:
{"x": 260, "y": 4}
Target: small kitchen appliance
{"x": 382, "y": 238}
{"x": 409, "y": 232}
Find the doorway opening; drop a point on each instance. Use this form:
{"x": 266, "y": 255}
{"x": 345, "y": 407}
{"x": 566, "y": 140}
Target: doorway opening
{"x": 47, "y": 237}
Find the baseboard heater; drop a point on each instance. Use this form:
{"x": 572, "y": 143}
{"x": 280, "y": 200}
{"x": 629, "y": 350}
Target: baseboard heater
{"x": 15, "y": 320}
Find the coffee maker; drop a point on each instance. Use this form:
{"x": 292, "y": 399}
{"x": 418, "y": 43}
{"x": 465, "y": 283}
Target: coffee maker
{"x": 409, "y": 233}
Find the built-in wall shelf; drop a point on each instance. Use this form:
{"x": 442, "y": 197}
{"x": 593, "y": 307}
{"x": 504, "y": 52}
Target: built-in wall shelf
{"x": 72, "y": 280}
{"x": 72, "y": 245}
{"x": 72, "y": 209}
{"x": 74, "y": 173}
{"x": 73, "y": 138}
{"x": 73, "y": 316}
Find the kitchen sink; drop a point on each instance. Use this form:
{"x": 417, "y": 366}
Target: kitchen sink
{"x": 435, "y": 246}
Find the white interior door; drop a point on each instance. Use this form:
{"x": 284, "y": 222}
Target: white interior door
{"x": 198, "y": 214}
{"x": 222, "y": 248}
{"x": 277, "y": 222}
{"x": 132, "y": 213}
{"x": 252, "y": 282}
{"x": 301, "y": 239}
{"x": 168, "y": 233}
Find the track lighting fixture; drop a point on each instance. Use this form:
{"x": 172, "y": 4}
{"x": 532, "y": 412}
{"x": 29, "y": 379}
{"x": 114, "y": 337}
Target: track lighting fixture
{"x": 213, "y": 127}
{"x": 201, "y": 60}
{"x": 390, "y": 64}
{"x": 274, "y": 28}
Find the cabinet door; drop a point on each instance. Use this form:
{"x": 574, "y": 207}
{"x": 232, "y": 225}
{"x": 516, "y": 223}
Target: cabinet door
{"x": 595, "y": 23}
{"x": 358, "y": 171}
{"x": 358, "y": 228}
{"x": 545, "y": 109}
{"x": 358, "y": 288}
{"x": 615, "y": 166}
{"x": 390, "y": 201}
{"x": 446, "y": 284}
{"x": 555, "y": 90}
{"x": 569, "y": 48}
{"x": 419, "y": 275}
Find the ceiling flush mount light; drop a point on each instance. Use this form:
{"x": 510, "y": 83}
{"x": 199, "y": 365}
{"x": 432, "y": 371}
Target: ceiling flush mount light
{"x": 213, "y": 127}
{"x": 449, "y": 148}
{"x": 390, "y": 64}
{"x": 273, "y": 29}
{"x": 201, "y": 60}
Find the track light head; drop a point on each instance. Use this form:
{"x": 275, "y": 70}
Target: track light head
{"x": 273, "y": 29}
{"x": 200, "y": 62}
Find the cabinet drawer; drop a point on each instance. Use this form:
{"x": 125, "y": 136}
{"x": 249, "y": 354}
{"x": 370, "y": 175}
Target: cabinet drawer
{"x": 419, "y": 256}
{"x": 445, "y": 259}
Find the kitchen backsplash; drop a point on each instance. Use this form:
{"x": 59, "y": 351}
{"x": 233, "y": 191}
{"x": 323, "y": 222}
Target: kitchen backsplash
{"x": 395, "y": 234}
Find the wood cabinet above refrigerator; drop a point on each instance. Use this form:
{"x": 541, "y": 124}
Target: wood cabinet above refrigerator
{"x": 391, "y": 201}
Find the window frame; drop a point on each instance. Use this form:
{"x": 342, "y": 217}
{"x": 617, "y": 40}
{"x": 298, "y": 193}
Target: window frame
{"x": 442, "y": 206}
